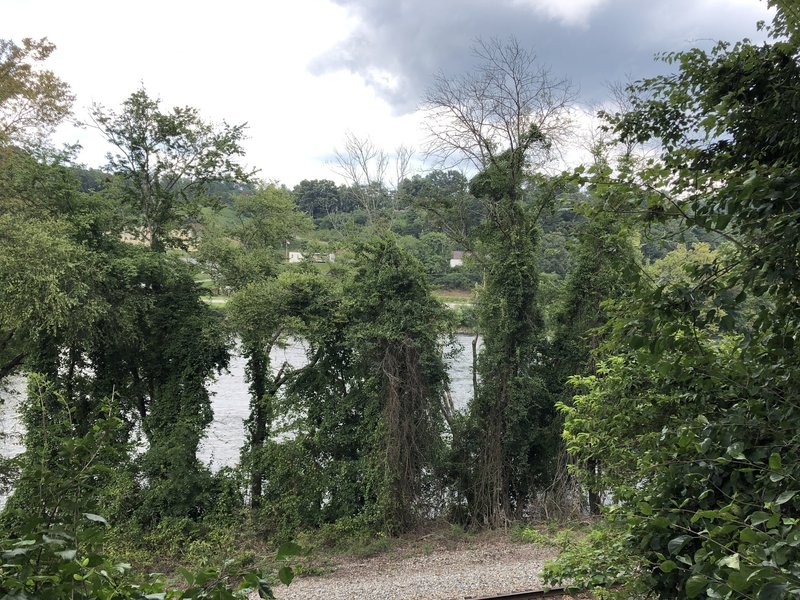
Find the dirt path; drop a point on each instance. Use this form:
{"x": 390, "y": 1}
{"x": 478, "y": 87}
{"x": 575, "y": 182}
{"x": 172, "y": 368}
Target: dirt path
{"x": 482, "y": 567}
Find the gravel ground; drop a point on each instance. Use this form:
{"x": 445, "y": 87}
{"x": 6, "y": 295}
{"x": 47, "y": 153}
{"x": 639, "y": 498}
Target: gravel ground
{"x": 485, "y": 567}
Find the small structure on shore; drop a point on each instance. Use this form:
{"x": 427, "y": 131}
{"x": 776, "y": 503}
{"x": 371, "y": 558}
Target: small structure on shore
{"x": 457, "y": 259}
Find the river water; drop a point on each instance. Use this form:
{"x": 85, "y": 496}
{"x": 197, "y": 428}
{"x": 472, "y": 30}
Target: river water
{"x": 231, "y": 401}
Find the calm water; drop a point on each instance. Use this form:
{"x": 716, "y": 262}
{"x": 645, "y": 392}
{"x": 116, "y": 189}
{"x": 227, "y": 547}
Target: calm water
{"x": 231, "y": 400}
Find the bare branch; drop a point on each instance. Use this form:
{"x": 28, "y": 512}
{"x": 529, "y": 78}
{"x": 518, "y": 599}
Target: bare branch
{"x": 475, "y": 117}
{"x": 365, "y": 166}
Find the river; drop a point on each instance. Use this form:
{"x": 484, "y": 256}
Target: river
{"x": 230, "y": 401}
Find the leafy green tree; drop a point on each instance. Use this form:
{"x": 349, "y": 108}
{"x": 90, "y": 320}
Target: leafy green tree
{"x": 252, "y": 246}
{"x": 264, "y": 313}
{"x": 49, "y": 285}
{"x": 32, "y": 100}
{"x": 165, "y": 162}
{"x": 696, "y": 418}
{"x": 507, "y": 414}
{"x": 156, "y": 352}
{"x": 604, "y": 270}
{"x": 321, "y": 197}
{"x": 268, "y": 305}
{"x": 446, "y": 203}
{"x": 367, "y": 409}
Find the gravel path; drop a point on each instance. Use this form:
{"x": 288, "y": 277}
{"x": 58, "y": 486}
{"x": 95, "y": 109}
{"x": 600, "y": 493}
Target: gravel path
{"x": 486, "y": 567}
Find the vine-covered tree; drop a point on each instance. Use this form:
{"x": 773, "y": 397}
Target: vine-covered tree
{"x": 396, "y": 332}
{"x": 504, "y": 117}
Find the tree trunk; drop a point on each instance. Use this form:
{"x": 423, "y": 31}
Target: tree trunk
{"x": 594, "y": 496}
{"x": 259, "y": 416}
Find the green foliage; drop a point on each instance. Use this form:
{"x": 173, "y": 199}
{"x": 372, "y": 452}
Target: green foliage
{"x": 54, "y": 539}
{"x": 365, "y": 411}
{"x": 695, "y": 420}
{"x": 251, "y": 246}
{"x": 321, "y": 197}
{"x": 396, "y": 331}
{"x": 507, "y": 444}
{"x": 49, "y": 288}
{"x": 598, "y": 562}
{"x": 531, "y": 535}
{"x": 165, "y": 163}
{"x": 32, "y": 100}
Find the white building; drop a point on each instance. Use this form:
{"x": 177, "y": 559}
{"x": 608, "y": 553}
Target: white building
{"x": 457, "y": 259}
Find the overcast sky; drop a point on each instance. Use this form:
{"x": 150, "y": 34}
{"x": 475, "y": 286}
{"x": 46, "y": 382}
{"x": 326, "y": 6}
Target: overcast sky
{"x": 302, "y": 73}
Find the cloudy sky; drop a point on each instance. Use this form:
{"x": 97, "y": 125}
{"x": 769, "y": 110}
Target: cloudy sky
{"x": 303, "y": 73}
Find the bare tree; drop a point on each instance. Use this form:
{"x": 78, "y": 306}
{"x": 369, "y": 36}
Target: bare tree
{"x": 365, "y": 167}
{"x": 476, "y": 117}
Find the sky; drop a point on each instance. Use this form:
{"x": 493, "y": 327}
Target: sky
{"x": 304, "y": 73}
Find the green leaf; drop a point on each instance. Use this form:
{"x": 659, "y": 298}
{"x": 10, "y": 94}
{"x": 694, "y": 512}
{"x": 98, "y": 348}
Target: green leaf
{"x": 793, "y": 539}
{"x": 759, "y": 517}
{"x": 668, "y": 566}
{"x": 188, "y": 576}
{"x": 695, "y": 585}
{"x": 723, "y": 219}
{"x": 748, "y": 536}
{"x": 735, "y": 451}
{"x": 785, "y": 497}
{"x": 285, "y": 574}
{"x": 775, "y": 461}
{"x": 738, "y": 581}
{"x": 772, "y": 591}
{"x": 287, "y": 550}
{"x": 675, "y": 545}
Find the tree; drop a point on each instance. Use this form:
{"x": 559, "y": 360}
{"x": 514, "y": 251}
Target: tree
{"x": 367, "y": 410}
{"x": 267, "y": 217}
{"x": 445, "y": 199}
{"x": 604, "y": 270}
{"x": 267, "y": 305}
{"x": 396, "y": 332}
{"x": 366, "y": 168}
{"x": 165, "y": 162}
{"x": 321, "y": 197}
{"x": 32, "y": 100}
{"x": 503, "y": 118}
{"x": 264, "y": 313}
{"x": 50, "y": 289}
{"x": 696, "y": 416}
{"x": 509, "y": 97}
{"x": 154, "y": 353}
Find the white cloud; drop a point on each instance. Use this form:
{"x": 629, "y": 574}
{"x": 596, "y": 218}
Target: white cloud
{"x": 245, "y": 61}
{"x": 235, "y": 61}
